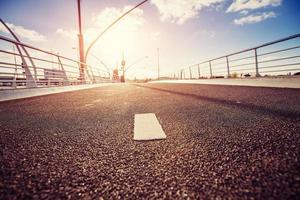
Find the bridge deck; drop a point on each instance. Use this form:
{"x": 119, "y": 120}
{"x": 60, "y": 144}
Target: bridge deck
{"x": 222, "y": 141}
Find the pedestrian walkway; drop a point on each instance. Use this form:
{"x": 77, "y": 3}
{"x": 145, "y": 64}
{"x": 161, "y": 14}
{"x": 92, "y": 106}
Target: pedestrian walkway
{"x": 12, "y": 94}
{"x": 277, "y": 82}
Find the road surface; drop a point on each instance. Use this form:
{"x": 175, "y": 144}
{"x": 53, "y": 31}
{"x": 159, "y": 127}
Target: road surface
{"x": 222, "y": 142}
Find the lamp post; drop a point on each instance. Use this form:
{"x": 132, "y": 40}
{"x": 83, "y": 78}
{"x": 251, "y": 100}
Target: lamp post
{"x": 81, "y": 45}
{"x": 157, "y": 63}
{"x": 123, "y": 68}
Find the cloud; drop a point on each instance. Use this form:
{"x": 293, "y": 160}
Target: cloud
{"x": 72, "y": 34}
{"x": 244, "y": 12}
{"x": 239, "y": 5}
{"x": 179, "y": 11}
{"x": 108, "y": 15}
{"x": 103, "y": 19}
{"x": 204, "y": 33}
{"x": 155, "y": 36}
{"x": 22, "y": 32}
{"x": 209, "y": 34}
{"x": 251, "y": 19}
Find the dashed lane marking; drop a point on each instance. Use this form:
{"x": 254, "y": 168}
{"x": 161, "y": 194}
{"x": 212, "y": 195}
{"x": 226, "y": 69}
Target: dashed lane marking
{"x": 88, "y": 105}
{"x": 147, "y": 127}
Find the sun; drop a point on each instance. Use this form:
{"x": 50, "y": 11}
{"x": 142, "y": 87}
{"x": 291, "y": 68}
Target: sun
{"x": 113, "y": 43}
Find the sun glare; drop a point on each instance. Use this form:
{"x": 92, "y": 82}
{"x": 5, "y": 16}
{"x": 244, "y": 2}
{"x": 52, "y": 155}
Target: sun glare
{"x": 122, "y": 38}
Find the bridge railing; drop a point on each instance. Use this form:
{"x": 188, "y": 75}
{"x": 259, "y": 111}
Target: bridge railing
{"x": 280, "y": 57}
{"x": 22, "y": 65}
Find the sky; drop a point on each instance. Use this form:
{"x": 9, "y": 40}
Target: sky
{"x": 185, "y": 31}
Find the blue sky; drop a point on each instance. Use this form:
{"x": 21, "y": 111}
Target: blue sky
{"x": 186, "y": 31}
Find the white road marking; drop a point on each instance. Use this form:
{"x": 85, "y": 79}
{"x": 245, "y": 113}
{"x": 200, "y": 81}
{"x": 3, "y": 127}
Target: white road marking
{"x": 98, "y": 100}
{"x": 147, "y": 127}
{"x": 88, "y": 105}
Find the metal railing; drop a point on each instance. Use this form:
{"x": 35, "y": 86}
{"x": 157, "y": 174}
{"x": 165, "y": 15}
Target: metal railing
{"x": 22, "y": 65}
{"x": 280, "y": 57}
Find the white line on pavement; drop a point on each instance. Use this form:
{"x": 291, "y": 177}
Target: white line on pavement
{"x": 147, "y": 127}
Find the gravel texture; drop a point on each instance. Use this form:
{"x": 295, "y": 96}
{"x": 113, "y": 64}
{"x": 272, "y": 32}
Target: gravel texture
{"x": 223, "y": 142}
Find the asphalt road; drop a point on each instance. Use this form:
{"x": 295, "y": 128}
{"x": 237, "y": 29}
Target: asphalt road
{"x": 222, "y": 142}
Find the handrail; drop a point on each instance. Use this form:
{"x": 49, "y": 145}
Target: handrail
{"x": 260, "y": 46}
{"x": 227, "y": 63}
{"x": 65, "y": 71}
{"x": 249, "y": 49}
{"x": 37, "y": 49}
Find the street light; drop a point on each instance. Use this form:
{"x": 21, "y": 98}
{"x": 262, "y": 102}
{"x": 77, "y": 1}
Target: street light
{"x": 157, "y": 63}
{"x": 81, "y": 47}
{"x": 123, "y": 67}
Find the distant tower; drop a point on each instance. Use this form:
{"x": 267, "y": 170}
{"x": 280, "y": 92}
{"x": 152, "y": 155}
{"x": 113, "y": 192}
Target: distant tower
{"x": 123, "y": 63}
{"x": 158, "y": 64}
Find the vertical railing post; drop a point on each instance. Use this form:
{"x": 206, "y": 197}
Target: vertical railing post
{"x": 228, "y": 70}
{"x": 199, "y": 75}
{"x": 26, "y": 52}
{"x": 210, "y": 69}
{"x": 92, "y": 74}
{"x": 30, "y": 81}
{"x": 14, "y": 83}
{"x": 256, "y": 64}
{"x": 66, "y": 81}
{"x": 190, "y": 72}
